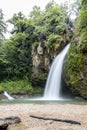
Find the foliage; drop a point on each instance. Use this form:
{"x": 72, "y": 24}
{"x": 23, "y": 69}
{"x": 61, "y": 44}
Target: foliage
{"x": 13, "y": 57}
{"x": 76, "y": 64}
{"x": 2, "y": 25}
{"x": 35, "y": 12}
{"x": 1, "y": 88}
{"x": 82, "y": 21}
{"x": 50, "y": 28}
{"x": 17, "y": 86}
{"x": 84, "y": 3}
{"x": 20, "y": 86}
{"x": 74, "y": 8}
{"x": 6, "y": 51}
{"x": 51, "y": 25}
{"x": 83, "y": 42}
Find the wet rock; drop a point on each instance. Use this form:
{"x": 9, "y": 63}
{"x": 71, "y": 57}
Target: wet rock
{"x": 4, "y": 123}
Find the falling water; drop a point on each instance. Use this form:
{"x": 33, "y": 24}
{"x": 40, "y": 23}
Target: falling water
{"x": 53, "y": 85}
{"x": 8, "y": 96}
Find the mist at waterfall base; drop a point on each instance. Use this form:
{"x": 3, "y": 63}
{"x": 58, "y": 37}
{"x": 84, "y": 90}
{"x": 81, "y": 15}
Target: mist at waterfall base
{"x": 53, "y": 86}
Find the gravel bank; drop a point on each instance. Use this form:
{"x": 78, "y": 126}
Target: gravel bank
{"x": 61, "y": 111}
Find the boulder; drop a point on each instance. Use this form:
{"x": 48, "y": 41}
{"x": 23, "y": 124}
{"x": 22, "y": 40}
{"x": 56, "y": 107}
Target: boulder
{"x": 4, "y": 123}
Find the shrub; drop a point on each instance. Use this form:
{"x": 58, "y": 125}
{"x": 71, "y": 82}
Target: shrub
{"x": 17, "y": 86}
{"x": 1, "y": 88}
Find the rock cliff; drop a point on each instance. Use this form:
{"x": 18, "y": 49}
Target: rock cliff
{"x": 75, "y": 68}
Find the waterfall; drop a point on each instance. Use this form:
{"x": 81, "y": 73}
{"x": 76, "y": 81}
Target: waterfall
{"x": 53, "y": 84}
{"x": 8, "y": 96}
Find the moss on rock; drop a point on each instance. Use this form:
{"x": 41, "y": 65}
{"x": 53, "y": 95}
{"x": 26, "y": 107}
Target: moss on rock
{"x": 75, "y": 70}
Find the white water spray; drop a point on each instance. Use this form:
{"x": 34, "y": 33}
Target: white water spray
{"x": 8, "y": 96}
{"x": 53, "y": 85}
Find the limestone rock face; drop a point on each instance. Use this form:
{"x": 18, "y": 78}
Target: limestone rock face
{"x": 47, "y": 62}
{"x": 39, "y": 56}
{"x": 39, "y": 50}
{"x": 36, "y": 61}
{"x": 42, "y": 58}
{"x": 40, "y": 65}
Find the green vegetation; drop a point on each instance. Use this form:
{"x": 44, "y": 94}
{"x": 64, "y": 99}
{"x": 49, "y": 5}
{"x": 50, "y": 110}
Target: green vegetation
{"x": 1, "y": 88}
{"x": 2, "y": 26}
{"x": 25, "y": 58}
{"x": 76, "y": 64}
{"x": 34, "y": 42}
{"x": 19, "y": 87}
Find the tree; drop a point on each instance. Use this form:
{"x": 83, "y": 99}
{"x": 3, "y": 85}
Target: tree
{"x": 35, "y": 12}
{"x": 6, "y": 59}
{"x": 77, "y": 56}
{"x": 2, "y": 26}
{"x": 22, "y": 39}
{"x": 14, "y": 61}
{"x": 47, "y": 28}
{"x": 74, "y": 8}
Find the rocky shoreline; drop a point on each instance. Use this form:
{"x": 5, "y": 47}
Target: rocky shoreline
{"x": 53, "y": 110}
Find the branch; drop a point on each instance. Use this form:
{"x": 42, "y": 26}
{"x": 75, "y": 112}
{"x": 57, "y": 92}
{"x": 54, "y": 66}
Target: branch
{"x": 55, "y": 119}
